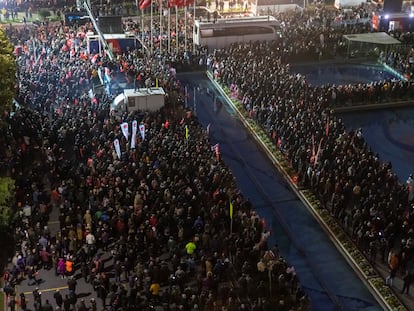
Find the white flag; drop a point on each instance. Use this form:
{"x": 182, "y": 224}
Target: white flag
{"x": 134, "y": 134}
{"x": 124, "y": 128}
{"x": 142, "y": 131}
{"x": 117, "y": 148}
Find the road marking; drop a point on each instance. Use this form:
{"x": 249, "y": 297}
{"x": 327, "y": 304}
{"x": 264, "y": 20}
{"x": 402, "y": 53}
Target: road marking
{"x": 47, "y": 290}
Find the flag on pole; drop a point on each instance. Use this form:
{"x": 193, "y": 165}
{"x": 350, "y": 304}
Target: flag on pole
{"x": 142, "y": 4}
{"x": 142, "y": 131}
{"x": 117, "y": 148}
{"x": 231, "y": 210}
{"x": 186, "y": 132}
{"x": 134, "y": 133}
{"x": 313, "y": 153}
{"x": 327, "y": 127}
{"x": 319, "y": 151}
{"x": 124, "y": 128}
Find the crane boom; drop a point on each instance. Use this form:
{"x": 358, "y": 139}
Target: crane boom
{"x": 105, "y": 45}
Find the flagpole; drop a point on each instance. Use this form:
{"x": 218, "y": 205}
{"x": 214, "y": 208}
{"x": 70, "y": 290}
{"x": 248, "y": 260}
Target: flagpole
{"x": 185, "y": 29}
{"x": 161, "y": 13}
{"x": 194, "y": 100}
{"x": 151, "y": 34}
{"x": 194, "y": 18}
{"x": 176, "y": 28}
{"x": 142, "y": 32}
{"x": 169, "y": 31}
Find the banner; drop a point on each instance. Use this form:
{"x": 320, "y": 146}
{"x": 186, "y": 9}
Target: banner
{"x": 117, "y": 148}
{"x": 186, "y": 132}
{"x": 124, "y": 128}
{"x": 142, "y": 131}
{"x": 134, "y": 134}
{"x": 318, "y": 152}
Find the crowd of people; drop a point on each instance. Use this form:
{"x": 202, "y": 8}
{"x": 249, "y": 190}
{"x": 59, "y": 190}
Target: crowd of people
{"x": 349, "y": 178}
{"x": 160, "y": 210}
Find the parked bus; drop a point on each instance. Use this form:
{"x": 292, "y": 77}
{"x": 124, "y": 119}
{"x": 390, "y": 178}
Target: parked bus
{"x": 223, "y": 32}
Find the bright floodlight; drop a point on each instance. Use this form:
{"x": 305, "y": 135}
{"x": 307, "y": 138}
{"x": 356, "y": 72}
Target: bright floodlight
{"x": 387, "y": 16}
{"x": 411, "y": 15}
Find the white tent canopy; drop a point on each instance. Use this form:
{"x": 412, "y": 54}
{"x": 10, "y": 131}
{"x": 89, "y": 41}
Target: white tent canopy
{"x": 369, "y": 43}
{"x": 374, "y": 38}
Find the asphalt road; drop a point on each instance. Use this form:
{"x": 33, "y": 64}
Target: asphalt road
{"x": 50, "y": 282}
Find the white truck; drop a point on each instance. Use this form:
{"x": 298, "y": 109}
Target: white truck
{"x": 142, "y": 99}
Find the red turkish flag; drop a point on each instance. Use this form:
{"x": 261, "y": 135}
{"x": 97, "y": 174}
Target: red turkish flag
{"x": 142, "y": 4}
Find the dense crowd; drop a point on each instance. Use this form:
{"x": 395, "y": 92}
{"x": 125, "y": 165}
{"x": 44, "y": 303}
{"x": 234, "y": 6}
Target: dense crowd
{"x": 317, "y": 34}
{"x": 348, "y": 177}
{"x": 161, "y": 209}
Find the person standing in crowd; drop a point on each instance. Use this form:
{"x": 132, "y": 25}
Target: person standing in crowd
{"x": 408, "y": 279}
{"x": 69, "y": 266}
{"x": 37, "y": 296}
{"x": 58, "y": 298}
{"x": 72, "y": 283}
{"x": 12, "y": 303}
{"x": 23, "y": 302}
{"x": 67, "y": 303}
{"x": 393, "y": 262}
{"x": 61, "y": 267}
{"x": 47, "y": 306}
{"x": 93, "y": 305}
